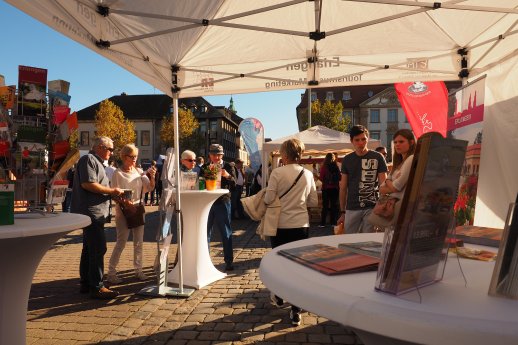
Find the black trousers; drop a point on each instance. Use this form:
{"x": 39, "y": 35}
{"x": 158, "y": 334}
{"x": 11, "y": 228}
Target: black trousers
{"x": 329, "y": 203}
{"x": 91, "y": 266}
{"x": 286, "y": 236}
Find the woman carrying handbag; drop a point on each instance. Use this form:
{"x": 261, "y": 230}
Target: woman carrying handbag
{"x": 386, "y": 211}
{"x": 128, "y": 176}
{"x": 296, "y": 189}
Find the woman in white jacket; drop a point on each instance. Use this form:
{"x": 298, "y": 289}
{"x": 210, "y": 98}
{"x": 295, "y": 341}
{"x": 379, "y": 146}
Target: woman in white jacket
{"x": 294, "y": 218}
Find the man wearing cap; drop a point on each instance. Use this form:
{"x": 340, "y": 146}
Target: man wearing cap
{"x": 220, "y": 212}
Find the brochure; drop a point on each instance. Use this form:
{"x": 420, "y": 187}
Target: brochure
{"x": 330, "y": 260}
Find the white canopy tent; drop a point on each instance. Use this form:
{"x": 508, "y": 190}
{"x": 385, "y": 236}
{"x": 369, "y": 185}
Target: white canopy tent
{"x": 318, "y": 140}
{"x": 211, "y": 47}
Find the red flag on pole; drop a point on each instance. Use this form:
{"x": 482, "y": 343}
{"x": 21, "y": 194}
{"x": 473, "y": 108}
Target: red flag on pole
{"x": 425, "y": 105}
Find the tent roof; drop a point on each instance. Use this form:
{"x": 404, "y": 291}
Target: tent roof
{"x": 319, "y": 140}
{"x": 209, "y": 47}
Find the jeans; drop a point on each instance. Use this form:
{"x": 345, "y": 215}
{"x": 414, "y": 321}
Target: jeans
{"x": 67, "y": 203}
{"x": 91, "y": 266}
{"x": 122, "y": 238}
{"x": 219, "y": 217}
{"x": 237, "y": 206}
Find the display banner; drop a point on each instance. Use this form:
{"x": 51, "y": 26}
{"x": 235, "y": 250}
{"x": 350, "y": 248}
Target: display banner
{"x": 252, "y": 132}
{"x": 32, "y": 88}
{"x": 465, "y": 122}
{"x": 425, "y": 105}
{"x": 7, "y": 96}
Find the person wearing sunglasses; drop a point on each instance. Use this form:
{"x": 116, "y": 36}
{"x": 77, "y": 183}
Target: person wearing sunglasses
{"x": 188, "y": 160}
{"x": 91, "y": 196}
{"x": 129, "y": 177}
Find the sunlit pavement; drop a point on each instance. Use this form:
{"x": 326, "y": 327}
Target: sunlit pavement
{"x": 234, "y": 310}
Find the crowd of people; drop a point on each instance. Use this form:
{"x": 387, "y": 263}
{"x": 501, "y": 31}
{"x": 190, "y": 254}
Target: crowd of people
{"x": 349, "y": 194}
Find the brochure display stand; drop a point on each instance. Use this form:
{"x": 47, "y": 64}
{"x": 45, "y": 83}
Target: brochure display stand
{"x": 504, "y": 282}
{"x": 414, "y": 250}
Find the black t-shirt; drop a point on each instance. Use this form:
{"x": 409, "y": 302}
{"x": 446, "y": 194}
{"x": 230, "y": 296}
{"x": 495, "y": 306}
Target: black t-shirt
{"x": 362, "y": 178}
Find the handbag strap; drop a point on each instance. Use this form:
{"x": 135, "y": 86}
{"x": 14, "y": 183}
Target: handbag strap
{"x": 294, "y": 183}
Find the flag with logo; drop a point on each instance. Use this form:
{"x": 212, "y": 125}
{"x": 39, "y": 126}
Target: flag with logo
{"x": 425, "y": 105}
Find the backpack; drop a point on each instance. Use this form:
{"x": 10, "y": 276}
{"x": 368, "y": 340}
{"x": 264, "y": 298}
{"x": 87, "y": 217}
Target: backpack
{"x": 333, "y": 176}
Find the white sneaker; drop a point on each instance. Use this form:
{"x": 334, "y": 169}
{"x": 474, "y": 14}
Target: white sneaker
{"x": 141, "y": 275}
{"x": 113, "y": 279}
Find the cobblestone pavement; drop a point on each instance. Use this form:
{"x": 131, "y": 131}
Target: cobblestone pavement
{"x": 233, "y": 310}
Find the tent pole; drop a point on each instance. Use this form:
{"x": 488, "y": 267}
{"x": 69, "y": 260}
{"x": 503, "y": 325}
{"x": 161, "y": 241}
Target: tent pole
{"x": 177, "y": 190}
{"x": 309, "y": 107}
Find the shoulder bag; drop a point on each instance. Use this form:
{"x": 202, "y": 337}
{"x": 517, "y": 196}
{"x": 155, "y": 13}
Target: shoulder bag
{"x": 134, "y": 214}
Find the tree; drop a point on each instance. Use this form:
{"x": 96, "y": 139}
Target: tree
{"x": 110, "y": 122}
{"x": 187, "y": 124}
{"x": 329, "y": 114}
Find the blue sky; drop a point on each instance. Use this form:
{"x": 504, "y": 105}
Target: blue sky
{"x": 93, "y": 78}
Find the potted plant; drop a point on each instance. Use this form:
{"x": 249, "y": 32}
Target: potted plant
{"x": 211, "y": 173}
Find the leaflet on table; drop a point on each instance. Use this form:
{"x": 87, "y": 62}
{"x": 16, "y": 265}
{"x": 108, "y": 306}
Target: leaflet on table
{"x": 330, "y": 260}
{"x": 370, "y": 248}
{"x": 479, "y": 235}
{"x": 188, "y": 181}
{"x": 415, "y": 249}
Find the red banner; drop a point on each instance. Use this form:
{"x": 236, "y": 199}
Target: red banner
{"x": 425, "y": 105}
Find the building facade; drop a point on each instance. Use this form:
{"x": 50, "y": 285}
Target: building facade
{"x": 218, "y": 124}
{"x": 374, "y": 106}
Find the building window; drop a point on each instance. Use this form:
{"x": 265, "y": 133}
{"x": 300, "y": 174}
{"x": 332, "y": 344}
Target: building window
{"x": 375, "y": 115}
{"x": 213, "y": 125}
{"x": 346, "y": 95}
{"x": 330, "y": 96}
{"x": 347, "y": 113}
{"x": 313, "y": 96}
{"x": 392, "y": 115}
{"x": 145, "y": 138}
{"x": 85, "y": 138}
{"x": 203, "y": 127}
{"x": 375, "y": 135}
{"x": 136, "y": 137}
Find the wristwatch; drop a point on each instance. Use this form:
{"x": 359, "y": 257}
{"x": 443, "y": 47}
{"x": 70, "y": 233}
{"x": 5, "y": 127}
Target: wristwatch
{"x": 342, "y": 212}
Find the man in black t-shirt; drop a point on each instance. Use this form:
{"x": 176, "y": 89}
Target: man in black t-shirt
{"x": 362, "y": 172}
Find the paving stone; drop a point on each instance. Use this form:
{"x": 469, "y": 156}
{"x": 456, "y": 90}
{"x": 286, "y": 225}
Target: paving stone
{"x": 231, "y": 311}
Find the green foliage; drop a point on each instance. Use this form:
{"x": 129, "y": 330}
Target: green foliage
{"x": 187, "y": 124}
{"x": 328, "y": 114}
{"x": 110, "y": 122}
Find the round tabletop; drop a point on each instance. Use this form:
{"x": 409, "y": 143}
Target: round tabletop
{"x": 37, "y": 224}
{"x": 448, "y": 313}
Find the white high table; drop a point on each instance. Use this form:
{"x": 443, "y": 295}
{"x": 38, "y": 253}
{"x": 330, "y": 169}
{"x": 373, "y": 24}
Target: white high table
{"x": 198, "y": 269}
{"x": 449, "y": 313}
{"x": 22, "y": 246}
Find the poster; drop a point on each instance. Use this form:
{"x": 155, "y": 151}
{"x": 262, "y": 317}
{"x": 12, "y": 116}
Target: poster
{"x": 465, "y": 121}
{"x": 32, "y": 88}
{"x": 7, "y": 96}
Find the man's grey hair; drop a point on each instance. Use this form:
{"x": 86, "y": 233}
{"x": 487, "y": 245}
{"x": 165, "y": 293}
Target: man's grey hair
{"x": 105, "y": 141}
{"x": 187, "y": 154}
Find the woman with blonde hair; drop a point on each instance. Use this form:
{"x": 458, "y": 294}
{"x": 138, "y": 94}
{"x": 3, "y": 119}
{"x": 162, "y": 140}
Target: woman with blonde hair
{"x": 296, "y": 190}
{"x": 128, "y": 176}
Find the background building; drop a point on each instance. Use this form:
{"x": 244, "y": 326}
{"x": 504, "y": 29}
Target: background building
{"x": 218, "y": 124}
{"x": 373, "y": 106}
